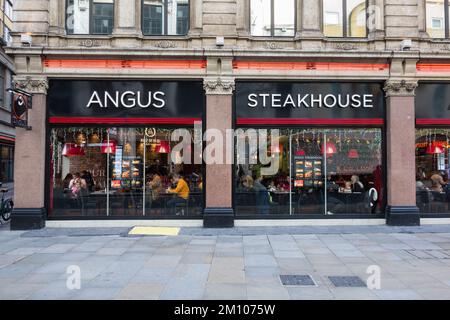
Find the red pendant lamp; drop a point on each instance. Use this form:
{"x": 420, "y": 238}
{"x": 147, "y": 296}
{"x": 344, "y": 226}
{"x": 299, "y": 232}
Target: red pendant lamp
{"x": 163, "y": 147}
{"x": 353, "y": 154}
{"x": 108, "y": 147}
{"x": 71, "y": 150}
{"x": 434, "y": 148}
{"x": 330, "y": 150}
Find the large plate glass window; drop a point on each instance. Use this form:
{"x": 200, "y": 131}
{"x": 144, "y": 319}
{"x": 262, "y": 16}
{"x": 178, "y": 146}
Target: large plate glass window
{"x": 120, "y": 172}
{"x": 345, "y": 18}
{"x": 273, "y": 18}
{"x": 90, "y": 16}
{"x": 317, "y": 171}
{"x": 165, "y": 17}
{"x": 433, "y": 170}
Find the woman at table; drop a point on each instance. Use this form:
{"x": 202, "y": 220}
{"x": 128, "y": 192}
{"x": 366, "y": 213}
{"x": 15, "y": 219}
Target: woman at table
{"x": 357, "y": 185}
{"x": 437, "y": 182}
{"x": 156, "y": 187}
{"x": 77, "y": 185}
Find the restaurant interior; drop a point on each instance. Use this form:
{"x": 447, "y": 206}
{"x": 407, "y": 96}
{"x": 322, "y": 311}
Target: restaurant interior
{"x": 120, "y": 171}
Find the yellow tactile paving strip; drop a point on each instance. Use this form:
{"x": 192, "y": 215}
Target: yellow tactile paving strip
{"x": 155, "y": 231}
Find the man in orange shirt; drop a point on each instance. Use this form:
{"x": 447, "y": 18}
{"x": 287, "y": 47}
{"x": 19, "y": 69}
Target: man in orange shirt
{"x": 181, "y": 192}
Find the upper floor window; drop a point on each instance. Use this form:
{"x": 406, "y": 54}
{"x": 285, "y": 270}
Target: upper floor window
{"x": 9, "y": 8}
{"x": 274, "y": 18}
{"x": 90, "y": 16}
{"x": 438, "y": 18}
{"x": 165, "y": 17}
{"x": 345, "y": 18}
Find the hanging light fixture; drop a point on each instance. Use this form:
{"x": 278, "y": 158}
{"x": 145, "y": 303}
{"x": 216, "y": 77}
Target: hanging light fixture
{"x": 434, "y": 148}
{"x": 330, "y": 150}
{"x": 108, "y": 147}
{"x": 353, "y": 154}
{"x": 71, "y": 149}
{"x": 163, "y": 147}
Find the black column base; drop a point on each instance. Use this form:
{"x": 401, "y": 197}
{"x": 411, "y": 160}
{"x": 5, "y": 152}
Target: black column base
{"x": 218, "y": 218}
{"x": 28, "y": 218}
{"x": 402, "y": 216}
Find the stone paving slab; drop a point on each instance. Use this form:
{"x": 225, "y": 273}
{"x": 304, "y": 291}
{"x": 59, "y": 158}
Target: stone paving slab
{"x": 239, "y": 263}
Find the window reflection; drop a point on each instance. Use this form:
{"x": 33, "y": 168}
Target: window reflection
{"x": 90, "y": 16}
{"x": 432, "y": 170}
{"x": 280, "y": 22}
{"x": 435, "y": 18}
{"x": 351, "y": 24}
{"x": 155, "y": 13}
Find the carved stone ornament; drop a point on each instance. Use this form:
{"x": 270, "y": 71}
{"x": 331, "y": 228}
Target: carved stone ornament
{"x": 30, "y": 85}
{"x": 400, "y": 88}
{"x": 218, "y": 86}
{"x": 345, "y": 46}
{"x": 273, "y": 46}
{"x": 89, "y": 43}
{"x": 165, "y": 44}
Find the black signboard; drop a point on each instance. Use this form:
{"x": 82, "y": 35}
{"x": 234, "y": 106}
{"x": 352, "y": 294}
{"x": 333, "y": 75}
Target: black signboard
{"x": 125, "y": 99}
{"x": 310, "y": 100}
{"x": 21, "y": 102}
{"x": 433, "y": 101}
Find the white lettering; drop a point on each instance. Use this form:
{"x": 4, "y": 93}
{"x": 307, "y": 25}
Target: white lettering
{"x": 368, "y": 101}
{"x": 114, "y": 100}
{"x": 252, "y": 100}
{"x": 333, "y": 104}
{"x": 131, "y": 101}
{"x": 97, "y": 100}
{"x": 161, "y": 100}
{"x": 276, "y": 100}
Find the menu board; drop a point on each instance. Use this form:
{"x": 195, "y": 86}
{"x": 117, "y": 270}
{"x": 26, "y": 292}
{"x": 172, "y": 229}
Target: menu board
{"x": 308, "y": 171}
{"x": 126, "y": 171}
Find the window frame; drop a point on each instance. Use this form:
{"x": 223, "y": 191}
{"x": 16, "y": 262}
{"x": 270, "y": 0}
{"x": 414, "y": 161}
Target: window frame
{"x": 272, "y": 21}
{"x": 91, "y": 19}
{"x": 446, "y": 20}
{"x": 165, "y": 21}
{"x": 11, "y": 6}
{"x": 345, "y": 22}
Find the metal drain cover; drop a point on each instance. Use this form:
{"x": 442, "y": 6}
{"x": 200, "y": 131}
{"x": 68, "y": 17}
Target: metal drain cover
{"x": 347, "y": 281}
{"x": 297, "y": 280}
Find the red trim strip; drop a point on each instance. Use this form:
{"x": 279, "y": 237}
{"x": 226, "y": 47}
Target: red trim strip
{"x": 433, "y": 67}
{"x": 433, "y": 121}
{"x": 90, "y": 120}
{"x": 269, "y": 121}
{"x": 296, "y": 65}
{"x": 124, "y": 64}
{"x": 9, "y": 139}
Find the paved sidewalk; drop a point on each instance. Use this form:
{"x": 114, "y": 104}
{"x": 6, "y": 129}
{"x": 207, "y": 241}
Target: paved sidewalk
{"x": 241, "y": 263}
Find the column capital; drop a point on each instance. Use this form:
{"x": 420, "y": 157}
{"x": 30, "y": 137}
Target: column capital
{"x": 218, "y": 86}
{"x": 400, "y": 88}
{"x": 35, "y": 85}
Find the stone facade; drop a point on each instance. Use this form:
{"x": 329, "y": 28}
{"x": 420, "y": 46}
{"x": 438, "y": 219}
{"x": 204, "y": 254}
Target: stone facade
{"x": 390, "y": 22}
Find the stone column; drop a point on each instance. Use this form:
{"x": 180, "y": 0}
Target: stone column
{"x": 127, "y": 17}
{"x": 57, "y": 16}
{"x": 401, "y": 179}
{"x": 219, "y": 177}
{"x": 309, "y": 19}
{"x": 29, "y": 160}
